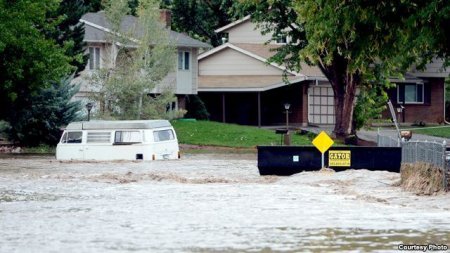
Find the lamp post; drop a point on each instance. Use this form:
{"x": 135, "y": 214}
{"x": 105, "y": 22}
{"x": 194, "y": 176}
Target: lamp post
{"x": 287, "y": 136}
{"x": 89, "y": 108}
{"x": 287, "y": 106}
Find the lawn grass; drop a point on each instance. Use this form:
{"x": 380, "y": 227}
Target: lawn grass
{"x": 41, "y": 149}
{"x": 209, "y": 133}
{"x": 437, "y": 131}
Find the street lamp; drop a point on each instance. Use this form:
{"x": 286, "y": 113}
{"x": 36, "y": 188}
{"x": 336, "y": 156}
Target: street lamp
{"x": 89, "y": 108}
{"x": 287, "y": 106}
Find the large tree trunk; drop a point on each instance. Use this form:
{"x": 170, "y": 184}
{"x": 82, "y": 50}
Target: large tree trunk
{"x": 344, "y": 98}
{"x": 344, "y": 87}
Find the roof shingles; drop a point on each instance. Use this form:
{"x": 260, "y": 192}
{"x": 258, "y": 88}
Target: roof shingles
{"x": 98, "y": 34}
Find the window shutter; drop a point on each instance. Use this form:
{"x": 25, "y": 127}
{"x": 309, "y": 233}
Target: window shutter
{"x": 392, "y": 94}
{"x": 401, "y": 93}
{"x": 180, "y": 60}
{"x": 186, "y": 60}
{"x": 420, "y": 90}
{"x": 427, "y": 94}
{"x": 91, "y": 58}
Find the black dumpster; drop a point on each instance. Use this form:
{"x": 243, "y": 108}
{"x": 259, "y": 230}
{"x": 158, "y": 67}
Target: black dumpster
{"x": 285, "y": 161}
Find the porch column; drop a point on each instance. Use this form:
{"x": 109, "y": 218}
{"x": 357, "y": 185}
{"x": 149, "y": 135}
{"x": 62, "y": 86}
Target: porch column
{"x": 223, "y": 108}
{"x": 259, "y": 109}
{"x": 305, "y": 107}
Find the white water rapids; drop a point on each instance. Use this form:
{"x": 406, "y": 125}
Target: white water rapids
{"x": 208, "y": 203}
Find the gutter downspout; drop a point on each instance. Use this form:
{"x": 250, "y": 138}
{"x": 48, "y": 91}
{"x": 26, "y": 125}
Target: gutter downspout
{"x": 445, "y": 120}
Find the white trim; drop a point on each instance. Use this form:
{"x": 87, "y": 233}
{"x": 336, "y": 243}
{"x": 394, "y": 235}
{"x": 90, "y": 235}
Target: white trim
{"x": 212, "y": 51}
{"x": 432, "y": 75}
{"x": 237, "y": 22}
{"x": 407, "y": 80}
{"x": 183, "y": 59}
{"x": 229, "y": 45}
{"x": 260, "y": 89}
{"x": 97, "y": 59}
{"x": 266, "y": 88}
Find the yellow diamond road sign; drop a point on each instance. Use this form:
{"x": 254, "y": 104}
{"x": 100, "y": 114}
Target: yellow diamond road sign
{"x": 322, "y": 142}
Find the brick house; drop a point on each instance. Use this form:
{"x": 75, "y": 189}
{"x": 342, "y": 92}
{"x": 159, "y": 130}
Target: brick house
{"x": 238, "y": 85}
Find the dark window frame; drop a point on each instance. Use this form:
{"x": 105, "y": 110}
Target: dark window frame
{"x": 419, "y": 93}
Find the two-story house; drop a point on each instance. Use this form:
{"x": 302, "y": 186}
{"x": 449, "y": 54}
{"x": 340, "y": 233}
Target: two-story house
{"x": 183, "y": 80}
{"x": 238, "y": 85}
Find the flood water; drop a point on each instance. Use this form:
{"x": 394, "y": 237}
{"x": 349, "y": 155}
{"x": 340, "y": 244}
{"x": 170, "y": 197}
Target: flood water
{"x": 208, "y": 203}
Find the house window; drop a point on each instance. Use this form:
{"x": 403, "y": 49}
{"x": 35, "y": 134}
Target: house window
{"x": 410, "y": 93}
{"x": 184, "y": 60}
{"x": 94, "y": 57}
{"x": 281, "y": 39}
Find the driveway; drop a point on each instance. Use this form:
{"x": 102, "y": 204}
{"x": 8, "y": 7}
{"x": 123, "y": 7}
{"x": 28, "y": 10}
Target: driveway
{"x": 371, "y": 134}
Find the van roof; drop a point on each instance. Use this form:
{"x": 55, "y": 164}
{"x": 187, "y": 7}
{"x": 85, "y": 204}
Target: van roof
{"x": 117, "y": 124}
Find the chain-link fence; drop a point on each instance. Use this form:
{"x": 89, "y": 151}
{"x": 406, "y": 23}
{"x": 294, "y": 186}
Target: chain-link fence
{"x": 431, "y": 152}
{"x": 387, "y": 141}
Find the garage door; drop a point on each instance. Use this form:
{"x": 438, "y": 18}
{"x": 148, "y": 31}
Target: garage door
{"x": 320, "y": 105}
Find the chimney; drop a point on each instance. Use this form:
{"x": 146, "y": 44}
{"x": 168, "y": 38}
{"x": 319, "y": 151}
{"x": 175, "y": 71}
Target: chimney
{"x": 166, "y": 17}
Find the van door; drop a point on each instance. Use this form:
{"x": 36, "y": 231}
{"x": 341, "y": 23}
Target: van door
{"x": 98, "y": 146}
{"x": 71, "y": 146}
{"x": 166, "y": 145}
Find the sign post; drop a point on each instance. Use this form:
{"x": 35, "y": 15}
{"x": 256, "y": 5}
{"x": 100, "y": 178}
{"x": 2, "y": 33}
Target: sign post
{"x": 394, "y": 118}
{"x": 323, "y": 142}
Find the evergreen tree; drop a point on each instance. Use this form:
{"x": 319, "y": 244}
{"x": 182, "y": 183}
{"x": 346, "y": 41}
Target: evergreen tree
{"x": 196, "y": 108}
{"x": 70, "y": 32}
{"x": 51, "y": 109}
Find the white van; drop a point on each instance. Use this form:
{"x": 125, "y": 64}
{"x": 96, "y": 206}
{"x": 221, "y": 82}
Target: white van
{"x": 118, "y": 140}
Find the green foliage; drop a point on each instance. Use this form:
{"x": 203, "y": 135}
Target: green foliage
{"x": 199, "y": 19}
{"x": 443, "y": 132}
{"x": 50, "y": 110}
{"x": 354, "y": 43}
{"x": 26, "y": 53}
{"x": 158, "y": 107}
{"x": 447, "y": 98}
{"x": 41, "y": 149}
{"x": 196, "y": 108}
{"x": 229, "y": 135}
{"x": 30, "y": 60}
{"x": 69, "y": 33}
{"x": 144, "y": 60}
{"x": 370, "y": 103}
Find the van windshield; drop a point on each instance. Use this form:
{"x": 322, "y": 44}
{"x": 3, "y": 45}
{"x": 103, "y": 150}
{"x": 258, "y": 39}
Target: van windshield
{"x": 72, "y": 137}
{"x": 163, "y": 135}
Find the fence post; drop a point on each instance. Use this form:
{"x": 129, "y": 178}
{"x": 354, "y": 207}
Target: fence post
{"x": 378, "y": 137}
{"x": 444, "y": 165}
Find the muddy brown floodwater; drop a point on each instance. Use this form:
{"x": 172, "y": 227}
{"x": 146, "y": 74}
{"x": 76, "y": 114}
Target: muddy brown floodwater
{"x": 208, "y": 203}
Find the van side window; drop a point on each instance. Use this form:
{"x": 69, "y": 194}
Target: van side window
{"x": 127, "y": 137}
{"x": 72, "y": 137}
{"x": 163, "y": 135}
{"x": 98, "y": 137}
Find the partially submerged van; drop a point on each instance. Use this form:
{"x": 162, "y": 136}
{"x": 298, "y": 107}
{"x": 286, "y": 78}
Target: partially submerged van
{"x": 118, "y": 140}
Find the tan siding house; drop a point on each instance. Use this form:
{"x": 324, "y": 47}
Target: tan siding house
{"x": 238, "y": 85}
